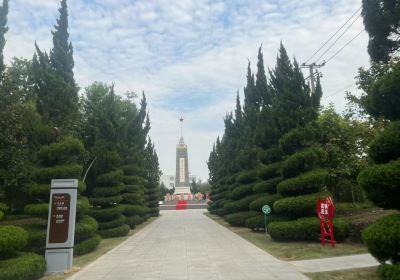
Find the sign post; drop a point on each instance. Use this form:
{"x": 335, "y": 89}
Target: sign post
{"x": 325, "y": 212}
{"x": 266, "y": 209}
{"x": 61, "y": 225}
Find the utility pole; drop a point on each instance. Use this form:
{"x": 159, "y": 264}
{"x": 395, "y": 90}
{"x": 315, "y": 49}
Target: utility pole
{"x": 313, "y": 66}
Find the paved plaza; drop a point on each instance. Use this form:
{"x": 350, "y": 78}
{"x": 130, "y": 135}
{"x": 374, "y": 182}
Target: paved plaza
{"x": 187, "y": 245}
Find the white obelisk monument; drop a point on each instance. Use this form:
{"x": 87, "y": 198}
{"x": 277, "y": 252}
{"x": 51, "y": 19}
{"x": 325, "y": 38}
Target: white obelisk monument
{"x": 182, "y": 184}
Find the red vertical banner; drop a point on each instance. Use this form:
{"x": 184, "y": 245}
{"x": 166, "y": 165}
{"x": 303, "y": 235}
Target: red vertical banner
{"x": 326, "y": 212}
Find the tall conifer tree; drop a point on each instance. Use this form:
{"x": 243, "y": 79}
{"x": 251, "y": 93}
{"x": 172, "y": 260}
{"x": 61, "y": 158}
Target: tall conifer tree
{"x": 3, "y": 31}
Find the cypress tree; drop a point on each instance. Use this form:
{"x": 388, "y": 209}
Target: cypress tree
{"x": 3, "y": 31}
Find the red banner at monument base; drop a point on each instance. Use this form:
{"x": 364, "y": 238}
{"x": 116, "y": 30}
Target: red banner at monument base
{"x": 326, "y": 212}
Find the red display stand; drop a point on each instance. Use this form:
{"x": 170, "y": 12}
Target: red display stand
{"x": 326, "y": 212}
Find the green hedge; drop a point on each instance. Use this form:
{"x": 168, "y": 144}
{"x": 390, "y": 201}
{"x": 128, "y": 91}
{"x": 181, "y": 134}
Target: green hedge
{"x": 133, "y": 198}
{"x": 12, "y": 239}
{"x": 133, "y": 210}
{"x": 67, "y": 171}
{"x": 26, "y": 266}
{"x": 1, "y": 214}
{"x": 107, "y": 191}
{"x": 238, "y": 205}
{"x": 257, "y": 223}
{"x": 310, "y": 182}
{"x": 133, "y": 221}
{"x": 112, "y": 178}
{"x": 133, "y": 180}
{"x": 270, "y": 155}
{"x": 239, "y": 219}
{"x": 270, "y": 171}
{"x": 268, "y": 186}
{"x": 305, "y": 229}
{"x": 268, "y": 199}
{"x": 68, "y": 150}
{"x": 386, "y": 146}
{"x": 302, "y": 161}
{"x": 82, "y": 205}
{"x": 114, "y": 232}
{"x": 88, "y": 245}
{"x": 106, "y": 214}
{"x": 105, "y": 201}
{"x": 241, "y": 191}
{"x": 381, "y": 184}
{"x": 246, "y": 177}
{"x": 85, "y": 228}
{"x": 135, "y": 189}
{"x": 116, "y": 222}
{"x": 389, "y": 271}
{"x": 154, "y": 211}
{"x": 37, "y": 210}
{"x": 383, "y": 239}
{"x": 36, "y": 238}
{"x": 39, "y": 191}
{"x": 298, "y": 206}
{"x": 220, "y": 195}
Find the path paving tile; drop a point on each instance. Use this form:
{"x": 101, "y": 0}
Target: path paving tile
{"x": 187, "y": 245}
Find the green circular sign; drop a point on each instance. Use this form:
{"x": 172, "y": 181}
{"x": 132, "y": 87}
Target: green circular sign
{"x": 266, "y": 209}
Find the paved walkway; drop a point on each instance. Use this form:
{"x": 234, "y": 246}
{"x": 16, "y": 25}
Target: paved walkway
{"x": 335, "y": 263}
{"x": 187, "y": 245}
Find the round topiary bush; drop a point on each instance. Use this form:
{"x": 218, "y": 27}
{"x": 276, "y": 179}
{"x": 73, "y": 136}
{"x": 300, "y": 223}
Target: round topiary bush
{"x": 110, "y": 179}
{"x": 67, "y": 171}
{"x": 114, "y": 232}
{"x": 239, "y": 219}
{"x": 310, "y": 182}
{"x": 82, "y": 206}
{"x": 106, "y": 214}
{"x": 238, "y": 205}
{"x": 268, "y": 186}
{"x": 68, "y": 150}
{"x": 297, "y": 138}
{"x": 298, "y": 206}
{"x": 383, "y": 239}
{"x": 246, "y": 177}
{"x": 36, "y": 238}
{"x": 386, "y": 146}
{"x": 270, "y": 171}
{"x": 85, "y": 228}
{"x": 133, "y": 198}
{"x": 25, "y": 266}
{"x": 241, "y": 191}
{"x": 268, "y": 199}
{"x": 116, "y": 222}
{"x": 133, "y": 221}
{"x": 40, "y": 191}
{"x": 107, "y": 191}
{"x": 12, "y": 239}
{"x": 305, "y": 229}
{"x": 381, "y": 184}
{"x": 37, "y": 210}
{"x": 106, "y": 201}
{"x": 88, "y": 245}
{"x": 133, "y": 180}
{"x": 255, "y": 223}
{"x": 302, "y": 161}
{"x": 135, "y": 210}
{"x": 389, "y": 271}
{"x": 271, "y": 155}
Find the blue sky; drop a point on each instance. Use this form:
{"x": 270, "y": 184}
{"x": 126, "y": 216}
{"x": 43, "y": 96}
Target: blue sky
{"x": 190, "y": 56}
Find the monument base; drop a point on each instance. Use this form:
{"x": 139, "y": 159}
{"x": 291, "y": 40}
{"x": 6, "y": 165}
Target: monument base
{"x": 182, "y": 190}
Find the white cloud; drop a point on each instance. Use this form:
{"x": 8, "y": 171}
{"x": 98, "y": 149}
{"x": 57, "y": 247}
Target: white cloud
{"x": 184, "y": 53}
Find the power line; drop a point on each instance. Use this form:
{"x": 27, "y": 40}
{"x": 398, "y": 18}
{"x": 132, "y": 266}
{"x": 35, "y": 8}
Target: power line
{"x": 337, "y": 39}
{"x": 323, "y": 45}
{"x": 348, "y": 43}
{"x": 339, "y": 91}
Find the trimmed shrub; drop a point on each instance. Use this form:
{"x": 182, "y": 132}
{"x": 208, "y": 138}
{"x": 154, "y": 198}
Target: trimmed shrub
{"x": 114, "y": 232}
{"x": 26, "y": 266}
{"x": 40, "y": 191}
{"x": 297, "y": 138}
{"x": 88, "y": 245}
{"x": 36, "y": 238}
{"x": 130, "y": 170}
{"x": 107, "y": 191}
{"x": 268, "y": 199}
{"x": 1, "y": 214}
{"x": 241, "y": 191}
{"x": 271, "y": 155}
{"x": 135, "y": 210}
{"x": 82, "y": 205}
{"x": 298, "y": 206}
{"x": 67, "y": 171}
{"x": 106, "y": 201}
{"x": 133, "y": 221}
{"x": 37, "y": 210}
{"x": 383, "y": 239}
{"x": 389, "y": 271}
{"x": 133, "y": 180}
{"x": 268, "y": 186}
{"x": 68, "y": 150}
{"x": 133, "y": 198}
{"x": 239, "y": 219}
{"x": 246, "y": 177}
{"x": 381, "y": 184}
{"x": 230, "y": 180}
{"x": 238, "y": 205}
{"x": 269, "y": 171}
{"x": 135, "y": 189}
{"x": 106, "y": 214}
{"x": 112, "y": 178}
{"x": 220, "y": 195}
{"x": 306, "y": 183}
{"x": 255, "y": 223}
{"x": 302, "y": 161}
{"x": 85, "y": 228}
{"x": 386, "y": 146}
{"x": 116, "y": 222}
{"x": 12, "y": 239}
{"x": 305, "y": 229}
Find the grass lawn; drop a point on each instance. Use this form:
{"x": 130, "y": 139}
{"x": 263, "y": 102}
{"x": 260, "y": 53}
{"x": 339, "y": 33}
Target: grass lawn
{"x": 104, "y": 246}
{"x": 290, "y": 251}
{"x": 351, "y": 274}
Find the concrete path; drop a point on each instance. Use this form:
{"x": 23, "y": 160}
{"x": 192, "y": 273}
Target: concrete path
{"x": 335, "y": 263}
{"x": 187, "y": 245}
